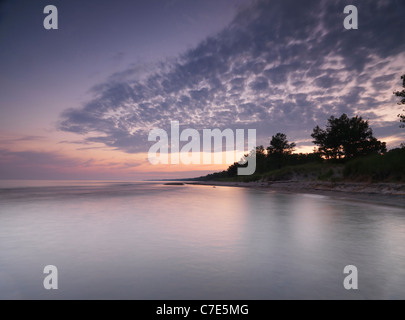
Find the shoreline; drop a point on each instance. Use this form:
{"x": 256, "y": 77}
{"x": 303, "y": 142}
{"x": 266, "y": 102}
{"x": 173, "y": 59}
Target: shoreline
{"x": 390, "y": 194}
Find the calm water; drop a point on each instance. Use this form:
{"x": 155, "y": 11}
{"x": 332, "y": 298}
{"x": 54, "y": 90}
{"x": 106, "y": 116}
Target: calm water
{"x": 150, "y": 241}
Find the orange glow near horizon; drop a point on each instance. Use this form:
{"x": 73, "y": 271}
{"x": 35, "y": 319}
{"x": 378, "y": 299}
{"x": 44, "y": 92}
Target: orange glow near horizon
{"x": 69, "y": 156}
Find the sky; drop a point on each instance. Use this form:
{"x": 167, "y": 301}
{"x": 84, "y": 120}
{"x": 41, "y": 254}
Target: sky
{"x": 78, "y": 102}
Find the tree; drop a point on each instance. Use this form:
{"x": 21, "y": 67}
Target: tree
{"x": 279, "y": 152}
{"x": 279, "y": 145}
{"x": 260, "y": 159}
{"x": 346, "y": 138}
{"x": 401, "y": 94}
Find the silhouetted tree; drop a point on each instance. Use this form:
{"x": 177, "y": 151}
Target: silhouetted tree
{"x": 279, "y": 152}
{"x": 261, "y": 163}
{"x": 279, "y": 145}
{"x": 346, "y": 138}
{"x": 232, "y": 170}
{"x": 401, "y": 94}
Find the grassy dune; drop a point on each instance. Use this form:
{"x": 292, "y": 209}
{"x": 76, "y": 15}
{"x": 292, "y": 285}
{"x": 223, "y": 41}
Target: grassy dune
{"x": 389, "y": 167}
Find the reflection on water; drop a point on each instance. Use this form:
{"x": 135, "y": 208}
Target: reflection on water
{"x": 150, "y": 241}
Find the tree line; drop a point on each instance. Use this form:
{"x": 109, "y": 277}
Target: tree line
{"x": 342, "y": 139}
{"x": 401, "y": 94}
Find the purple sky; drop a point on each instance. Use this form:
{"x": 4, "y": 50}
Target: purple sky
{"x": 78, "y": 102}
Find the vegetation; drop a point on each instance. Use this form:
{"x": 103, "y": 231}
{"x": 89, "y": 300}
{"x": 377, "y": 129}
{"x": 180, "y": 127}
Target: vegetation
{"x": 401, "y": 94}
{"x": 347, "y": 150}
{"x": 347, "y": 138}
{"x": 279, "y": 145}
{"x": 387, "y": 167}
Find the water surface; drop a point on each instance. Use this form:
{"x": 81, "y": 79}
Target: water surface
{"x": 125, "y": 240}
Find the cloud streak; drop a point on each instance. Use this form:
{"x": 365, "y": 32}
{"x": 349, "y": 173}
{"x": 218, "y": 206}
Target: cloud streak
{"x": 53, "y": 165}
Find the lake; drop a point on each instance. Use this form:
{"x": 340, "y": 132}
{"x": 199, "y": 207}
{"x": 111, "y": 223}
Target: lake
{"x": 147, "y": 240}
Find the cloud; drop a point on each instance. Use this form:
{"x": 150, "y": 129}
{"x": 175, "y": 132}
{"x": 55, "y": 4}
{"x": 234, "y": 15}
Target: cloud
{"x": 24, "y": 138}
{"x": 52, "y": 165}
{"x": 281, "y": 65}
{"x": 33, "y": 165}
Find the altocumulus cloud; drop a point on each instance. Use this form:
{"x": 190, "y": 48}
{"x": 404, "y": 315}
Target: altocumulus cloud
{"x": 281, "y": 65}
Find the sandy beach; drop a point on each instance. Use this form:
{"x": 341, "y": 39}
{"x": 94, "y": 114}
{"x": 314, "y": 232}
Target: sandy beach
{"x": 392, "y": 194}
